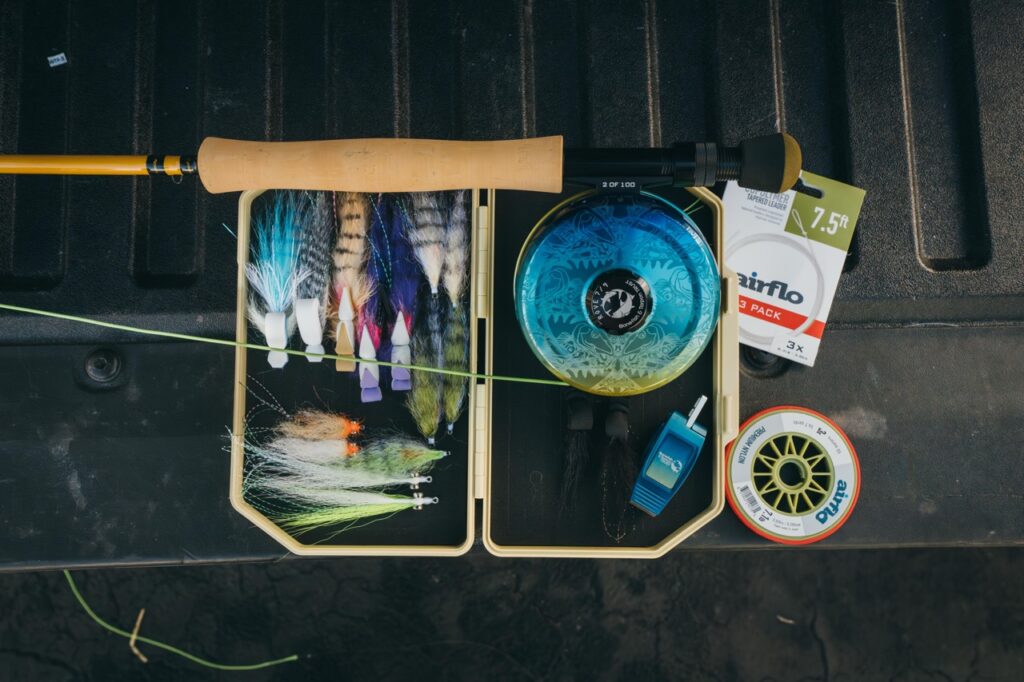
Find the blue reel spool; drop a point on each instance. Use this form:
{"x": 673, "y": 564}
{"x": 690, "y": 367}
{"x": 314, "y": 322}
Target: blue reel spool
{"x": 617, "y": 293}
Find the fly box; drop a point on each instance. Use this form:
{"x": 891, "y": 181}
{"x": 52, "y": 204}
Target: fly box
{"x": 506, "y": 452}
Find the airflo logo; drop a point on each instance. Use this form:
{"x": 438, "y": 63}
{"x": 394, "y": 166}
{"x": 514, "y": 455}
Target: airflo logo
{"x": 774, "y": 288}
{"x": 832, "y": 508}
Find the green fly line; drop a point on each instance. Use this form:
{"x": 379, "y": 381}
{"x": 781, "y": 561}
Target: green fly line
{"x": 167, "y": 647}
{"x": 289, "y": 351}
{"x": 694, "y": 207}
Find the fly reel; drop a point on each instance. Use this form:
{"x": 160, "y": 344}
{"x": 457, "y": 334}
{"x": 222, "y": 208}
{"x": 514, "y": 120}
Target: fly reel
{"x": 617, "y": 293}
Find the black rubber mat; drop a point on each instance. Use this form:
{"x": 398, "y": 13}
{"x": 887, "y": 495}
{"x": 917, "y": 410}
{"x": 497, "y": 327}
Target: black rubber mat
{"x": 918, "y": 103}
{"x": 715, "y": 616}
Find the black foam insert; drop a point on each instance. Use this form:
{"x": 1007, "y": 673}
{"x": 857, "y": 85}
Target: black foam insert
{"x": 528, "y": 420}
{"x": 302, "y": 384}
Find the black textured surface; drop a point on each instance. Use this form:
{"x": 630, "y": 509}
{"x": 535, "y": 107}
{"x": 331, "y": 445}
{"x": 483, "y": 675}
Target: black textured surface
{"x": 918, "y": 103}
{"x": 908, "y": 616}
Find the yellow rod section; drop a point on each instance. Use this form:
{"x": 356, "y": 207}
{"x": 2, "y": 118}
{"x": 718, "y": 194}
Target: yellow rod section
{"x": 172, "y": 165}
{"x": 55, "y": 164}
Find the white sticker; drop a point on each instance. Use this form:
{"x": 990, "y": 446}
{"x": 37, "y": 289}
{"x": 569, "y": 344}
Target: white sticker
{"x": 57, "y": 59}
{"x": 788, "y": 251}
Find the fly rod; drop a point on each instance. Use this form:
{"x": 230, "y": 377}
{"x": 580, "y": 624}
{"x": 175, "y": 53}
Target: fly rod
{"x": 770, "y": 163}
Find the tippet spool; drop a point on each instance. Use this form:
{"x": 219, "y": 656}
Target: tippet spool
{"x": 792, "y": 475}
{"x": 617, "y": 293}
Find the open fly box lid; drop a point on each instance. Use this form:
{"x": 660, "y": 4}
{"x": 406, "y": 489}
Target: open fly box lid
{"x": 505, "y": 449}
{"x": 261, "y": 392}
{"x": 521, "y": 427}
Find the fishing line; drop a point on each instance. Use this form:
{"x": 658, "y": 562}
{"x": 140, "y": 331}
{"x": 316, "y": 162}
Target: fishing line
{"x": 167, "y": 647}
{"x": 254, "y": 346}
{"x": 692, "y": 208}
{"x": 792, "y": 475}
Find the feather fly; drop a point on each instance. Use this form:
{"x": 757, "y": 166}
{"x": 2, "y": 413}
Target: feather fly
{"x": 317, "y": 425}
{"x": 579, "y": 421}
{"x": 424, "y": 398}
{"x": 456, "y": 249}
{"x": 349, "y": 273}
{"x": 313, "y": 292}
{"x": 347, "y": 508}
{"x": 304, "y": 483}
{"x": 398, "y": 454}
{"x": 426, "y": 233}
{"x": 619, "y": 471}
{"x": 318, "y": 465}
{"x": 456, "y": 347}
{"x": 405, "y": 282}
{"x": 374, "y": 316}
{"x": 394, "y": 455}
{"x": 274, "y": 274}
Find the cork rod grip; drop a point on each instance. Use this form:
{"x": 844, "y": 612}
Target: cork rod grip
{"x": 381, "y": 165}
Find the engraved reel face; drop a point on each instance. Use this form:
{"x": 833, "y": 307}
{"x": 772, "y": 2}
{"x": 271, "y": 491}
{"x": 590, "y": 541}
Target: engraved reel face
{"x": 617, "y": 293}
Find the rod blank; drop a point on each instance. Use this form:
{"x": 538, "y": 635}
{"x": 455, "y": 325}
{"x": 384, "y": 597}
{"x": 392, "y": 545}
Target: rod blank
{"x": 57, "y": 164}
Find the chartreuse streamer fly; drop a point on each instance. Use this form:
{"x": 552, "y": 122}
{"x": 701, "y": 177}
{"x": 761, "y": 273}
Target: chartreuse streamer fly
{"x": 304, "y": 483}
{"x": 456, "y": 337}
